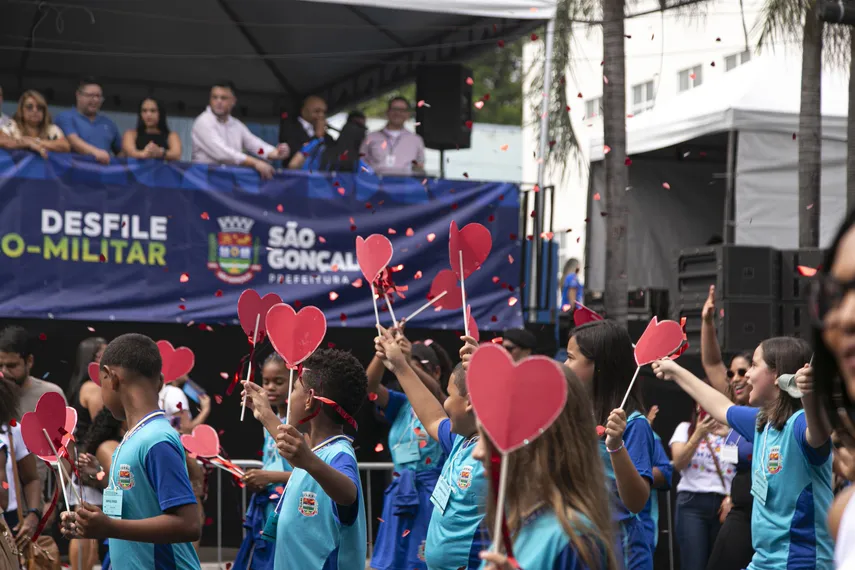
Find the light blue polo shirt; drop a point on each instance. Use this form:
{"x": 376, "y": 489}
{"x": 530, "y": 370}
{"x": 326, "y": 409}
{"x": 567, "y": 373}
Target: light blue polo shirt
{"x": 100, "y": 132}
{"x": 151, "y": 471}
{"x": 788, "y": 529}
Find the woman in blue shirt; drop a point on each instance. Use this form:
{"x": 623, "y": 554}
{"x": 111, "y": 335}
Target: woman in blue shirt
{"x": 418, "y": 461}
{"x": 601, "y": 355}
{"x": 556, "y": 505}
{"x": 791, "y": 462}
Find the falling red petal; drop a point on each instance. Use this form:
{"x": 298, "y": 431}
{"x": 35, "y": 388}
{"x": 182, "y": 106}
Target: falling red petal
{"x": 512, "y": 301}
{"x": 42, "y": 336}
{"x": 423, "y": 444}
{"x": 806, "y": 271}
{"x": 392, "y": 231}
{"x": 378, "y": 448}
{"x": 418, "y": 275}
{"x": 666, "y": 186}
{"x": 182, "y": 307}
{"x": 627, "y": 161}
{"x": 491, "y": 218}
{"x": 343, "y": 317}
{"x": 184, "y": 278}
{"x": 431, "y": 237}
{"x": 601, "y": 431}
{"x": 410, "y": 232}
{"x": 534, "y": 37}
{"x": 597, "y": 196}
{"x": 340, "y": 190}
{"x": 279, "y": 208}
{"x": 406, "y": 532}
{"x": 218, "y": 293}
{"x": 209, "y": 521}
{"x": 510, "y": 258}
{"x": 427, "y": 461}
{"x": 500, "y": 43}
{"x": 205, "y": 216}
{"x": 372, "y": 397}
{"x": 333, "y": 295}
{"x": 357, "y": 283}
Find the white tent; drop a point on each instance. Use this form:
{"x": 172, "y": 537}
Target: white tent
{"x": 522, "y": 9}
{"x": 679, "y": 176}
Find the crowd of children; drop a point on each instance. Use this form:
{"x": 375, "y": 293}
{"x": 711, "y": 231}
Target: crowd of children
{"x": 308, "y": 510}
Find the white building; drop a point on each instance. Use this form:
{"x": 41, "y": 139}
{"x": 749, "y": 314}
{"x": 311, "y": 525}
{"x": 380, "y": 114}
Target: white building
{"x": 667, "y": 54}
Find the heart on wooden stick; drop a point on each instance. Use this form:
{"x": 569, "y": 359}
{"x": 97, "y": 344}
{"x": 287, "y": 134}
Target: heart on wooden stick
{"x": 373, "y": 255}
{"x": 95, "y": 372}
{"x": 515, "y": 402}
{"x": 295, "y": 336}
{"x": 251, "y": 309}
{"x": 202, "y": 442}
{"x": 583, "y": 315}
{"x": 474, "y": 242}
{"x": 446, "y": 280}
{"x": 176, "y": 361}
{"x": 660, "y": 340}
{"x": 49, "y": 416}
{"x": 473, "y": 326}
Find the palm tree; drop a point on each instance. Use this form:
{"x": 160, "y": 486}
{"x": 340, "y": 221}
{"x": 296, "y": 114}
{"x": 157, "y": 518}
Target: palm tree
{"x": 799, "y": 19}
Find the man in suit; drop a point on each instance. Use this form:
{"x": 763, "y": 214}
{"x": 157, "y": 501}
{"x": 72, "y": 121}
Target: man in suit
{"x": 307, "y": 133}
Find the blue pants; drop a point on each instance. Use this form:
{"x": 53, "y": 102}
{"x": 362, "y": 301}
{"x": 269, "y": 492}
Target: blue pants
{"x": 696, "y": 527}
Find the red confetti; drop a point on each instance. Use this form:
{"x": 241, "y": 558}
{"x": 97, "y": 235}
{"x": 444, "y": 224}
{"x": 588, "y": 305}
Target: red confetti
{"x": 794, "y": 136}
{"x": 418, "y": 275}
{"x": 218, "y": 293}
{"x": 494, "y": 319}
{"x": 601, "y": 431}
{"x": 279, "y": 208}
{"x": 597, "y": 196}
{"x": 357, "y": 283}
{"x": 340, "y": 190}
{"x": 260, "y": 152}
{"x": 468, "y": 125}
{"x": 427, "y": 461}
{"x": 431, "y": 237}
{"x": 378, "y": 448}
{"x": 330, "y": 345}
{"x": 512, "y": 301}
{"x": 469, "y": 81}
{"x": 184, "y": 278}
{"x": 209, "y": 521}
{"x": 421, "y": 103}
{"x": 392, "y": 231}
{"x": 205, "y": 216}
{"x": 179, "y": 405}
{"x": 284, "y": 115}
{"x": 372, "y": 397}
{"x": 666, "y": 186}
{"x": 513, "y": 237}
{"x": 42, "y": 336}
{"x": 500, "y": 43}
{"x": 410, "y": 232}
{"x": 806, "y": 271}
{"x": 102, "y": 258}
{"x": 322, "y": 239}
{"x": 100, "y": 475}
{"x": 606, "y": 149}
{"x": 534, "y": 37}
{"x": 627, "y": 161}
{"x": 353, "y": 228}
{"x": 182, "y": 307}
{"x": 406, "y": 532}
{"x": 368, "y": 205}
{"x": 510, "y": 258}
{"x": 224, "y": 375}
{"x": 298, "y": 303}
{"x": 491, "y": 218}
{"x": 423, "y": 444}
{"x": 343, "y": 317}
{"x": 333, "y": 295}
{"x": 496, "y": 279}
{"x": 5, "y": 485}
{"x": 381, "y": 520}
{"x": 13, "y": 422}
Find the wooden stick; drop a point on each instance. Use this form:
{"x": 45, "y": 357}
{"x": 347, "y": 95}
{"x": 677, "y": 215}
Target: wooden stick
{"x": 500, "y": 505}
{"x": 463, "y": 294}
{"x": 376, "y": 313}
{"x": 290, "y": 387}
{"x": 426, "y": 306}
{"x": 631, "y": 384}
{"x": 59, "y": 470}
{"x": 391, "y": 312}
{"x": 249, "y": 367}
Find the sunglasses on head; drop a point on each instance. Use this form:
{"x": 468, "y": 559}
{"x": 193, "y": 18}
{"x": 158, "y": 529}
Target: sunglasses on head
{"x": 739, "y": 372}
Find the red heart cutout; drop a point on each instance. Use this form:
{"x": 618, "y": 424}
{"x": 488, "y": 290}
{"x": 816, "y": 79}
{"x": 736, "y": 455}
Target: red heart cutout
{"x": 176, "y": 361}
{"x": 50, "y": 415}
{"x": 473, "y": 326}
{"x": 203, "y": 442}
{"x": 515, "y": 402}
{"x": 446, "y": 280}
{"x": 474, "y": 241}
{"x": 95, "y": 372}
{"x": 583, "y": 315}
{"x": 373, "y": 254}
{"x": 660, "y": 340}
{"x": 252, "y": 306}
{"x": 295, "y": 336}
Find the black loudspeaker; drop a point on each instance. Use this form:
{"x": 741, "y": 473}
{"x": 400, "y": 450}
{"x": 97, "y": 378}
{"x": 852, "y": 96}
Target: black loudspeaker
{"x": 740, "y": 325}
{"x": 794, "y": 285}
{"x": 738, "y": 272}
{"x": 795, "y": 320}
{"x": 444, "y": 121}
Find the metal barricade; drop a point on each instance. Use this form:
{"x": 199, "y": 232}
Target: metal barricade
{"x": 255, "y": 464}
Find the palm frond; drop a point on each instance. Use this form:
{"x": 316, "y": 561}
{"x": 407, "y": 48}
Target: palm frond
{"x": 781, "y": 20}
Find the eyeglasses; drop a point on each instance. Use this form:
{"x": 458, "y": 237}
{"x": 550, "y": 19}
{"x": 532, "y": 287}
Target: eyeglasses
{"x": 827, "y": 294}
{"x": 33, "y": 107}
{"x": 91, "y": 95}
{"x": 739, "y": 372}
{"x": 400, "y": 109}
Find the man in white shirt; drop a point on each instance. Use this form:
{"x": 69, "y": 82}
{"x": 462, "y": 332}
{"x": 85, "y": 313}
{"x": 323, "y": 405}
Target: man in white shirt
{"x": 4, "y": 119}
{"x": 395, "y": 151}
{"x": 219, "y": 138}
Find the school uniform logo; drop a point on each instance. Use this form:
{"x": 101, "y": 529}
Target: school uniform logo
{"x": 308, "y": 504}
{"x": 774, "y": 464}
{"x": 233, "y": 252}
{"x": 421, "y": 553}
{"x": 464, "y": 481}
{"x": 126, "y": 478}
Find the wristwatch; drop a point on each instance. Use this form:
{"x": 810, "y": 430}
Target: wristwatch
{"x": 36, "y": 512}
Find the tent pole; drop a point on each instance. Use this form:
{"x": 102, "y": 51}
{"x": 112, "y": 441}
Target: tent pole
{"x": 535, "y": 285}
{"x": 728, "y": 236}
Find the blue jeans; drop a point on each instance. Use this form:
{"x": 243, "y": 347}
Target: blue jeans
{"x": 696, "y": 527}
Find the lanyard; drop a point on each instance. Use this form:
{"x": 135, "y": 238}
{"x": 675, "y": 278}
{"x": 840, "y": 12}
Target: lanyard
{"x": 128, "y": 435}
{"x": 410, "y": 428}
{"x": 762, "y": 470}
{"x": 390, "y": 139}
{"x": 314, "y": 450}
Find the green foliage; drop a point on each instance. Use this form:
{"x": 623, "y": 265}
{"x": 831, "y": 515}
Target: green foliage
{"x": 497, "y": 72}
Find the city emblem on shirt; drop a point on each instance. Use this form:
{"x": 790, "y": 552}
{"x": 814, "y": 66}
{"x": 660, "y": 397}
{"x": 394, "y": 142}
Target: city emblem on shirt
{"x": 232, "y": 252}
{"x": 774, "y": 464}
{"x": 465, "y": 478}
{"x": 126, "y": 478}
{"x": 308, "y": 504}
{"x": 421, "y": 553}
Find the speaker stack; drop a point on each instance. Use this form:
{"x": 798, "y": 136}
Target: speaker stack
{"x": 444, "y": 121}
{"x": 795, "y": 319}
{"x": 747, "y": 294}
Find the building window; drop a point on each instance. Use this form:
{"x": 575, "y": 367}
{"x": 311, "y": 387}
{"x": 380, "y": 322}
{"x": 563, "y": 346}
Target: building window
{"x": 689, "y": 78}
{"x": 737, "y": 59}
{"x": 642, "y": 97}
{"x": 593, "y": 107}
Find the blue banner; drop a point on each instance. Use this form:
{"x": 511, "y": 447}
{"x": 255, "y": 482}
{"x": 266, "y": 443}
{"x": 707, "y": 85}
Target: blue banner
{"x": 177, "y": 242}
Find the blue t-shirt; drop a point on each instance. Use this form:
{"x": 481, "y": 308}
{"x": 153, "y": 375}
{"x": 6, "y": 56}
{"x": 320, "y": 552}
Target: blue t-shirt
{"x": 788, "y": 528}
{"x": 542, "y": 544}
{"x": 572, "y": 282}
{"x": 151, "y": 471}
{"x": 101, "y": 132}
{"x": 315, "y": 533}
{"x": 661, "y": 462}
{"x": 456, "y": 537}
{"x": 409, "y": 443}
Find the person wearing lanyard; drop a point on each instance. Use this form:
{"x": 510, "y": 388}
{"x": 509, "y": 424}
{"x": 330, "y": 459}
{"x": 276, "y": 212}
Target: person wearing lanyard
{"x": 456, "y": 534}
{"x": 395, "y": 151}
{"x": 418, "y": 461}
{"x": 791, "y": 462}
{"x": 149, "y": 510}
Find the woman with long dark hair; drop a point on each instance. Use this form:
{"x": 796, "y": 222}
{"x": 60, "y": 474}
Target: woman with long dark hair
{"x": 152, "y": 137}
{"x": 833, "y": 307}
{"x": 83, "y": 394}
{"x": 601, "y": 355}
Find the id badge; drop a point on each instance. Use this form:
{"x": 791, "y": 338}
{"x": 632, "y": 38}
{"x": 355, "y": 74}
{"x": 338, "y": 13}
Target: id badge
{"x": 730, "y": 454}
{"x": 759, "y": 488}
{"x": 112, "y": 503}
{"x": 407, "y": 452}
{"x": 269, "y": 532}
{"x": 441, "y": 494}
{"x": 390, "y": 160}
